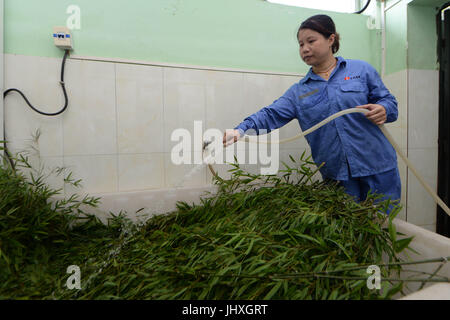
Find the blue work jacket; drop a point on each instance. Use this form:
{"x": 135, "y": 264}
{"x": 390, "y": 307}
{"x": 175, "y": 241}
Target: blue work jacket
{"x": 350, "y": 138}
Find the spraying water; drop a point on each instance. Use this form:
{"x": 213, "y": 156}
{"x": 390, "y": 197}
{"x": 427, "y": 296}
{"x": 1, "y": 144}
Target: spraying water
{"x": 129, "y": 229}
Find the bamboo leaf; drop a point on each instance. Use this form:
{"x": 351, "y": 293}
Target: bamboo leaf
{"x": 273, "y": 291}
{"x": 392, "y": 232}
{"x": 401, "y": 244}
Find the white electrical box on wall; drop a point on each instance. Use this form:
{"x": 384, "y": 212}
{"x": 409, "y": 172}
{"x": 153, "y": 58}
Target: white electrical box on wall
{"x": 62, "y": 37}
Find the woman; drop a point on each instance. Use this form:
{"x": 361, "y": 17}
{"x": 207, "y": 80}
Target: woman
{"x": 355, "y": 151}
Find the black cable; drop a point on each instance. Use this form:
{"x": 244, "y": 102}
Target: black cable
{"x": 364, "y": 8}
{"x": 35, "y": 109}
{"x": 62, "y": 85}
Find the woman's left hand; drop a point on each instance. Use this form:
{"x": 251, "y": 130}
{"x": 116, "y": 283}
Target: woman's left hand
{"x": 377, "y": 113}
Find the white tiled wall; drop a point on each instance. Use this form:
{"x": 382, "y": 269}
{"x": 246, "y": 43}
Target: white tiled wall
{"x": 423, "y": 144}
{"x": 98, "y": 172}
{"x": 116, "y": 134}
{"x": 184, "y": 101}
{"x": 38, "y": 78}
{"x": 416, "y": 131}
{"x": 140, "y": 109}
{"x": 397, "y": 85}
{"x": 89, "y": 126}
{"x": 424, "y": 108}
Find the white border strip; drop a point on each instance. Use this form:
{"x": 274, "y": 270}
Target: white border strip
{"x": 184, "y": 66}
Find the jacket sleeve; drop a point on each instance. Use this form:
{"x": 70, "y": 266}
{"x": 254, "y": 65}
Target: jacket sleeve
{"x": 379, "y": 94}
{"x": 272, "y": 117}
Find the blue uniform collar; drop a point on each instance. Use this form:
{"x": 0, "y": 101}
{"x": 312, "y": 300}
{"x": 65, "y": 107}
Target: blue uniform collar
{"x": 313, "y": 76}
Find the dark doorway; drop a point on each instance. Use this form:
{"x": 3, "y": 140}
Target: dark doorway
{"x": 443, "y": 29}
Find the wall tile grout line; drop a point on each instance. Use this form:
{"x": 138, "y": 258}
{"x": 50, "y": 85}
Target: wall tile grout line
{"x": 117, "y": 129}
{"x": 62, "y": 138}
{"x": 163, "y": 91}
{"x": 110, "y": 154}
{"x": 205, "y": 98}
{"x": 62, "y": 144}
{"x": 407, "y": 140}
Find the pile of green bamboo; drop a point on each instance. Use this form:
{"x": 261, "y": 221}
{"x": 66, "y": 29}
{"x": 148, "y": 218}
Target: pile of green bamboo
{"x": 259, "y": 237}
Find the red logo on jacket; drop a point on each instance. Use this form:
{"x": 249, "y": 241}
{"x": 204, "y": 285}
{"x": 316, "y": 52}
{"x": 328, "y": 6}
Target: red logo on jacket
{"x": 351, "y": 78}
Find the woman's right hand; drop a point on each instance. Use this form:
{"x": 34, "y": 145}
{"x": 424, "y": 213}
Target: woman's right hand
{"x": 230, "y": 136}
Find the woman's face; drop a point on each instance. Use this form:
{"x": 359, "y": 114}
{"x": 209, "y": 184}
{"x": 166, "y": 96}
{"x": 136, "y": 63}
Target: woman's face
{"x": 314, "y": 47}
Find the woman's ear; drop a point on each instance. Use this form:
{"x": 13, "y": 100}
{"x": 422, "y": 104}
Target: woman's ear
{"x": 331, "y": 39}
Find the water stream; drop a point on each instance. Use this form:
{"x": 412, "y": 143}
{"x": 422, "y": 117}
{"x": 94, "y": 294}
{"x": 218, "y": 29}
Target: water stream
{"x": 129, "y": 229}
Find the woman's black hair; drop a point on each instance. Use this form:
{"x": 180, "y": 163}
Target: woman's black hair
{"x": 324, "y": 25}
